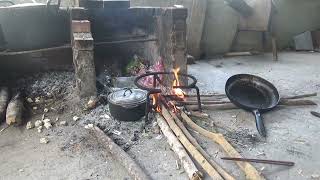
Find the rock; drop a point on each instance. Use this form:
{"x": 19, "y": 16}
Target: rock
{"x": 21, "y": 170}
{"x": 47, "y": 125}
{"x": 44, "y": 141}
{"x": 40, "y": 129}
{"x": 89, "y": 126}
{"x": 45, "y": 110}
{"x": 37, "y": 99}
{"x": 34, "y": 107}
{"x": 46, "y": 120}
{"x": 75, "y": 118}
{"x": 63, "y": 123}
{"x": 38, "y": 123}
{"x": 92, "y": 103}
{"x": 29, "y": 125}
{"x": 315, "y": 176}
{"x": 29, "y": 100}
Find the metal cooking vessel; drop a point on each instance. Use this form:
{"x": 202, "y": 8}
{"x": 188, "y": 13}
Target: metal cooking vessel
{"x": 127, "y": 104}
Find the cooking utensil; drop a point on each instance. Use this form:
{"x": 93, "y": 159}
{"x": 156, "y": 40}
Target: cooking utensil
{"x": 254, "y": 94}
{"x": 284, "y": 163}
{"x": 127, "y": 104}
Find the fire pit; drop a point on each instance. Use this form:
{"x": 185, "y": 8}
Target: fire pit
{"x": 158, "y": 88}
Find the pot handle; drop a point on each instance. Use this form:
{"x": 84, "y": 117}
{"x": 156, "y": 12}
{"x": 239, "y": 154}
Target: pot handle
{"x": 127, "y": 89}
{"x": 259, "y": 123}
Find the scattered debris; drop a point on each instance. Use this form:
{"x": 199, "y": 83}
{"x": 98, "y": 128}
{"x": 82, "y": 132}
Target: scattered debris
{"x": 21, "y": 170}
{"x": 63, "y": 123}
{"x": 89, "y": 126}
{"x": 47, "y": 125}
{"x": 40, "y": 129}
{"x": 29, "y": 125}
{"x": 38, "y": 123}
{"x": 76, "y": 118}
{"x": 116, "y": 132}
{"x": 45, "y": 110}
{"x": 106, "y": 116}
{"x": 44, "y": 141}
{"x": 159, "y": 137}
{"x": 300, "y": 172}
{"x": 29, "y": 100}
{"x": 34, "y": 107}
{"x": 46, "y": 120}
{"x": 315, "y": 176}
{"x": 37, "y": 100}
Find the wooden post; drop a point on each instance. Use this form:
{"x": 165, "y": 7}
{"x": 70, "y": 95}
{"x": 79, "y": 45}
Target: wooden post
{"x": 274, "y": 48}
{"x": 83, "y": 55}
{"x": 172, "y": 39}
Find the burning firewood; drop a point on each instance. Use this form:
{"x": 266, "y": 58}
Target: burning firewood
{"x": 4, "y": 98}
{"x": 15, "y": 110}
{"x": 188, "y": 165}
{"x": 249, "y": 170}
{"x": 190, "y": 148}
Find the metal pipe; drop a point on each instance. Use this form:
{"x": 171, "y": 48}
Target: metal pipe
{"x": 284, "y": 163}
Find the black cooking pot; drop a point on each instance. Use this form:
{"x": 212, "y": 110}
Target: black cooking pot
{"x": 127, "y": 104}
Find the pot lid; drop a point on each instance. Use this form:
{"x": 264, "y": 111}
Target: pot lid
{"x": 128, "y": 97}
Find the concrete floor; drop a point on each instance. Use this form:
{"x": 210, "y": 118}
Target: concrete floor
{"x": 292, "y": 131}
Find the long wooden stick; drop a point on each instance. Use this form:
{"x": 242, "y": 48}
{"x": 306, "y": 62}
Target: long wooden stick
{"x": 187, "y": 163}
{"x": 133, "y": 168}
{"x": 250, "y": 172}
{"x": 219, "y": 96}
{"x": 228, "y": 106}
{"x": 188, "y": 145}
{"x": 194, "y": 142}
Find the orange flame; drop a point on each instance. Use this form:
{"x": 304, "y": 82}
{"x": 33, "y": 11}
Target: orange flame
{"x": 177, "y": 91}
{"x": 155, "y": 102}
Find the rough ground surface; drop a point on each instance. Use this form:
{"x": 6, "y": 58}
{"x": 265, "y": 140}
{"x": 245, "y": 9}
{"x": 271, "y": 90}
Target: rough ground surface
{"x": 72, "y": 153}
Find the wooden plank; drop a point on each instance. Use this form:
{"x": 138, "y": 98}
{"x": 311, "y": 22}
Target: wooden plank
{"x": 197, "y": 15}
{"x": 260, "y": 18}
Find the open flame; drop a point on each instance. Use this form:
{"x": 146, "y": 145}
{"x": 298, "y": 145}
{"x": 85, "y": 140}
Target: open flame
{"x": 155, "y": 103}
{"x": 177, "y": 91}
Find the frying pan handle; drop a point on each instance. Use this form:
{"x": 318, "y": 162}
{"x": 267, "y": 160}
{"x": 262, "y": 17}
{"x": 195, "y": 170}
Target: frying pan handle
{"x": 259, "y": 123}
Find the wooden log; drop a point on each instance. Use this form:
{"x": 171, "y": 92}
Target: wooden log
{"x": 132, "y": 167}
{"x": 188, "y": 165}
{"x": 195, "y": 143}
{"x": 229, "y": 106}
{"x": 15, "y": 110}
{"x": 4, "y": 99}
{"x": 215, "y": 97}
{"x": 190, "y": 148}
{"x": 250, "y": 171}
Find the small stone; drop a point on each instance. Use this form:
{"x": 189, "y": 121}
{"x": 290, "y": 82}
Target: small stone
{"x": 261, "y": 169}
{"x": 34, "y": 107}
{"x": 47, "y": 125}
{"x": 44, "y": 141}
{"x": 92, "y": 103}
{"x": 106, "y": 116}
{"x": 315, "y": 176}
{"x": 88, "y": 126}
{"x": 159, "y": 137}
{"x": 38, "y": 123}
{"x": 47, "y": 120}
{"x": 40, "y": 129}
{"x": 29, "y": 100}
{"x": 37, "y": 99}
{"x": 75, "y": 118}
{"x": 29, "y": 125}
{"x": 21, "y": 170}
{"x": 116, "y": 132}
{"x": 63, "y": 123}
{"x": 45, "y": 110}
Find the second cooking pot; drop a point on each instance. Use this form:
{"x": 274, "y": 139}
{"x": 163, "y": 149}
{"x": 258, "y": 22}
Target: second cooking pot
{"x": 127, "y": 104}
